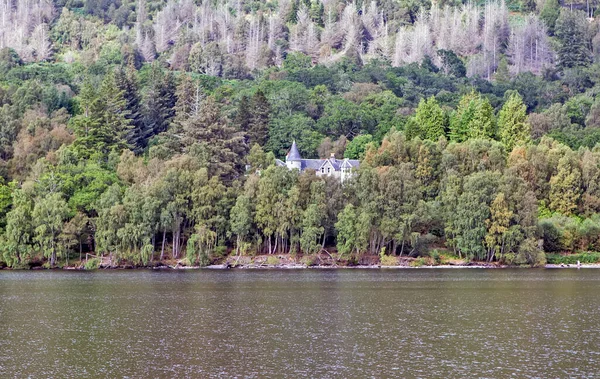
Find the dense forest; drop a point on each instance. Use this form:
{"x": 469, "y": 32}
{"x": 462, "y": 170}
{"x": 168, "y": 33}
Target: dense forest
{"x": 148, "y": 131}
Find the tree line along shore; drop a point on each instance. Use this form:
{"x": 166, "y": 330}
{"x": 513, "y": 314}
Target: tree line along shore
{"x": 145, "y": 133}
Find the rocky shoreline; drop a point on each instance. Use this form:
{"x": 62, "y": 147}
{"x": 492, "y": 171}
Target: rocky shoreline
{"x": 286, "y": 262}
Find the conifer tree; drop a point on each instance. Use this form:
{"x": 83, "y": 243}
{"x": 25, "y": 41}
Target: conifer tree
{"x": 258, "y": 125}
{"x": 473, "y": 118}
{"x": 512, "y": 122}
{"x": 483, "y": 124}
{"x": 208, "y": 135}
{"x": 107, "y": 127}
{"x": 243, "y": 115}
{"x": 430, "y": 119}
{"x": 571, "y": 32}
{"x": 159, "y": 103}
{"x": 127, "y": 82}
{"x": 550, "y": 13}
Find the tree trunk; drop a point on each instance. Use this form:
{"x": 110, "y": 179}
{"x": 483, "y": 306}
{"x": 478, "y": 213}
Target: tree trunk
{"x": 269, "y": 251}
{"x": 162, "y": 250}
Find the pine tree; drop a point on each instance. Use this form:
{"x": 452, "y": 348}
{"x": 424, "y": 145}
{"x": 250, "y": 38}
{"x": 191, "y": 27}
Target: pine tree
{"x": 107, "y": 127}
{"x": 258, "y": 126}
{"x": 462, "y": 116}
{"x": 159, "y": 103}
{"x": 430, "y": 119}
{"x": 550, "y": 13}
{"x": 209, "y": 136}
{"x": 502, "y": 74}
{"x": 571, "y": 32}
{"x": 473, "y": 118}
{"x": 512, "y": 122}
{"x": 483, "y": 123}
{"x": 127, "y": 82}
{"x": 243, "y": 115}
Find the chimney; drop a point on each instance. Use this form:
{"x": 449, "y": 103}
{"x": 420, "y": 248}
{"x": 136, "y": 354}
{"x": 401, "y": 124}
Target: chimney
{"x": 332, "y": 156}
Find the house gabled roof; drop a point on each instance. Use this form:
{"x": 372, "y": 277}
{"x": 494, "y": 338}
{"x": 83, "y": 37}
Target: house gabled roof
{"x": 350, "y": 163}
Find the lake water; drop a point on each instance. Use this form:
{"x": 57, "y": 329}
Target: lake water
{"x": 428, "y": 323}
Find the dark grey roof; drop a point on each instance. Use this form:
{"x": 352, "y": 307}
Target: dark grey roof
{"x": 312, "y": 164}
{"x": 351, "y": 163}
{"x": 294, "y": 154}
{"x": 338, "y": 164}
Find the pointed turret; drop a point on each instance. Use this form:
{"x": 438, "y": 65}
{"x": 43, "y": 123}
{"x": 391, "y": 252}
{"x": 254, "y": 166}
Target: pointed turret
{"x": 293, "y": 154}
{"x": 293, "y": 158}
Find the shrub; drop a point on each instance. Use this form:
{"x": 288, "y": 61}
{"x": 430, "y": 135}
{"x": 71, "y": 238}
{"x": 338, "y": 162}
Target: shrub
{"x": 92, "y": 264}
{"x": 530, "y": 254}
{"x": 586, "y": 257}
{"x": 272, "y": 260}
{"x": 388, "y": 260}
{"x": 309, "y": 260}
{"x": 418, "y": 262}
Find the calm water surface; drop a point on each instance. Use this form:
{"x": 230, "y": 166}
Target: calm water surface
{"x": 306, "y": 323}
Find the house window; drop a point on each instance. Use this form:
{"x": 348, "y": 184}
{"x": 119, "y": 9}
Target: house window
{"x": 328, "y": 170}
{"x": 322, "y": 170}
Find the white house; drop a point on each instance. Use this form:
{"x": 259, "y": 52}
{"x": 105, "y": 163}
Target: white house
{"x": 338, "y": 168}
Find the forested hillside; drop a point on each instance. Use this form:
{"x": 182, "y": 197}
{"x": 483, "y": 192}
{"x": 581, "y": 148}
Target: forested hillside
{"x": 148, "y": 130}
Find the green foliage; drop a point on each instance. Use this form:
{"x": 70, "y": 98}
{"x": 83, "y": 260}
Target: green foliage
{"x": 430, "y": 121}
{"x": 451, "y": 63}
{"x": 48, "y": 216}
{"x": 272, "y": 261}
{"x": 388, "y": 260}
{"x": 512, "y": 122}
{"x": 137, "y": 136}
{"x": 550, "y": 13}
{"x": 571, "y": 32}
{"x": 418, "y": 262}
{"x": 105, "y": 126}
{"x": 92, "y": 264}
{"x": 572, "y": 259}
{"x": 473, "y": 118}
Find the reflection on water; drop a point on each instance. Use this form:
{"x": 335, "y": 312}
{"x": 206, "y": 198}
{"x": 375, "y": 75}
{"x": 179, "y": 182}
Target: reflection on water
{"x": 346, "y": 323}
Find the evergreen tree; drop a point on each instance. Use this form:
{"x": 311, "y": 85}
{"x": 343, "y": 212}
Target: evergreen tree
{"x": 502, "y": 74}
{"x": 483, "y": 124}
{"x": 107, "y": 127}
{"x": 512, "y": 120}
{"x": 159, "y": 103}
{"x": 126, "y": 80}
{"x": 243, "y": 115}
{"x": 571, "y": 32}
{"x": 430, "y": 119}
{"x": 473, "y": 118}
{"x": 209, "y": 136}
{"x": 550, "y": 13}
{"x": 258, "y": 124}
